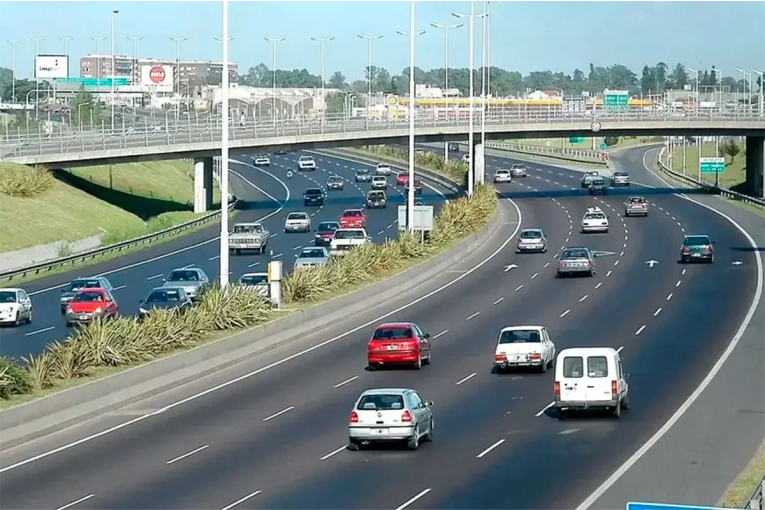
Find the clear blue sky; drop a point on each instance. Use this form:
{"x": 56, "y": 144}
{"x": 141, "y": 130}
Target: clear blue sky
{"x": 526, "y": 36}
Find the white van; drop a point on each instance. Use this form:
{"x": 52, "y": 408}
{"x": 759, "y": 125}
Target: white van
{"x": 590, "y": 378}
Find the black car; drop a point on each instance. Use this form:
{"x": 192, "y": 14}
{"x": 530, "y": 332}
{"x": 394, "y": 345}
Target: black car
{"x": 598, "y": 186}
{"x": 325, "y": 232}
{"x": 313, "y": 196}
{"x": 454, "y": 147}
{"x": 164, "y": 298}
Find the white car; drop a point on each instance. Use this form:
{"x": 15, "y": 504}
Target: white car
{"x": 15, "y": 307}
{"x": 256, "y": 282}
{"x": 519, "y": 170}
{"x": 379, "y": 182}
{"x": 531, "y": 239}
{"x": 297, "y": 222}
{"x": 524, "y": 346}
{"x": 594, "y": 220}
{"x": 383, "y": 169}
{"x": 347, "y": 238}
{"x": 588, "y": 178}
{"x": 262, "y": 160}
{"x": 503, "y": 175}
{"x": 306, "y": 163}
{"x": 466, "y": 158}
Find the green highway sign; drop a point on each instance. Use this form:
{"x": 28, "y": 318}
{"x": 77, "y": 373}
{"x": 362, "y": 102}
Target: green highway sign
{"x": 712, "y": 165}
{"x": 576, "y": 139}
{"x": 94, "y": 82}
{"x": 616, "y": 100}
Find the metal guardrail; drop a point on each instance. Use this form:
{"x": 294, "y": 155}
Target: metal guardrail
{"x": 757, "y": 202}
{"x": 103, "y": 250}
{"x": 567, "y": 155}
{"x": 208, "y": 129}
{"x": 756, "y": 499}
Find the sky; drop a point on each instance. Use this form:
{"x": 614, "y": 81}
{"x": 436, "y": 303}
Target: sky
{"x": 525, "y": 36}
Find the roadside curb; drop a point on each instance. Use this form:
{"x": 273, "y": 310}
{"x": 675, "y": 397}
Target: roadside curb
{"x": 40, "y": 417}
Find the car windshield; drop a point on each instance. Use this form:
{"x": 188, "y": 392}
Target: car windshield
{"x": 381, "y": 402}
{"x": 311, "y": 253}
{"x": 355, "y": 214}
{"x": 393, "y": 333}
{"x": 327, "y": 226}
{"x": 248, "y": 229}
{"x": 89, "y": 297}
{"x": 696, "y": 241}
{"x": 306, "y": 158}
{"x": 620, "y": 174}
{"x": 183, "y": 275}
{"x": 574, "y": 254}
{"x": 503, "y": 172}
{"x": 7, "y": 296}
{"x": 349, "y": 234}
{"x": 531, "y": 234}
{"x": 362, "y": 171}
{"x": 335, "y": 178}
{"x": 383, "y": 165}
{"x": 313, "y": 192}
{"x": 379, "y": 178}
{"x": 76, "y": 285}
{"x": 163, "y": 296}
{"x": 296, "y": 216}
{"x": 595, "y": 216}
{"x": 520, "y": 336}
{"x": 253, "y": 279}
{"x": 517, "y": 166}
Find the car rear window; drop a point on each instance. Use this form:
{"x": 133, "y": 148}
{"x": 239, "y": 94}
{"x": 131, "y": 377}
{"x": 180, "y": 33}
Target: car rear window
{"x": 163, "y": 296}
{"x": 311, "y": 253}
{"x": 620, "y": 174}
{"x": 598, "y": 182}
{"x": 392, "y": 333}
{"x": 296, "y": 216}
{"x": 573, "y": 367}
{"x": 597, "y": 366}
{"x": 531, "y": 234}
{"x": 520, "y": 336}
{"x": 324, "y": 227}
{"x": 352, "y": 213}
{"x": 696, "y": 241}
{"x": 380, "y": 402}
{"x": 595, "y": 216}
{"x": 313, "y": 192}
{"x": 574, "y": 254}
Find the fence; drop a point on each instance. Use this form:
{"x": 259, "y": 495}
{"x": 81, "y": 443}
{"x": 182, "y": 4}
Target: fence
{"x": 755, "y": 500}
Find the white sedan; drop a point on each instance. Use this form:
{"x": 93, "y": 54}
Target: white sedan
{"x": 503, "y": 175}
{"x": 15, "y": 307}
{"x": 524, "y": 346}
{"x": 262, "y": 160}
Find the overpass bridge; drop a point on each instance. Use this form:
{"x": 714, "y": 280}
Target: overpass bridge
{"x": 202, "y": 140}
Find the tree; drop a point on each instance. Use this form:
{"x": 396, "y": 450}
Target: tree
{"x": 660, "y": 73}
{"x": 337, "y": 81}
{"x": 647, "y": 80}
{"x": 336, "y": 102}
{"x": 731, "y": 148}
{"x": 611, "y": 140}
{"x": 679, "y": 77}
{"x": 86, "y": 111}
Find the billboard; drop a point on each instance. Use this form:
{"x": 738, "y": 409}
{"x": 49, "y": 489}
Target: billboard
{"x": 157, "y": 78}
{"x": 48, "y": 67}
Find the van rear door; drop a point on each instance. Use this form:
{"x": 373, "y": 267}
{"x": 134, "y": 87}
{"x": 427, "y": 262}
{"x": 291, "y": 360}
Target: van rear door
{"x": 573, "y": 384}
{"x": 598, "y": 376}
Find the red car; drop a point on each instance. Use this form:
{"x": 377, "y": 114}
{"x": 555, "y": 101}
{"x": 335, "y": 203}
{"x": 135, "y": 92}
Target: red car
{"x": 399, "y": 343}
{"x": 88, "y": 304}
{"x": 353, "y": 218}
{"x": 401, "y": 179}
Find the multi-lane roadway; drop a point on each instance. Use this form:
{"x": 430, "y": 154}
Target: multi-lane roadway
{"x": 277, "y": 439}
{"x": 265, "y": 194}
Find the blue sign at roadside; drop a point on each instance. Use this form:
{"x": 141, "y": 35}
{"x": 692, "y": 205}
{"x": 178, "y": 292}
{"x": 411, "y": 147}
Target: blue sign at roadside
{"x": 667, "y": 506}
{"x": 603, "y": 146}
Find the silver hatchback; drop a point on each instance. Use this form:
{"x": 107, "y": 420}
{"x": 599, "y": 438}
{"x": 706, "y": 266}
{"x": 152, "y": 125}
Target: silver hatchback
{"x": 390, "y": 415}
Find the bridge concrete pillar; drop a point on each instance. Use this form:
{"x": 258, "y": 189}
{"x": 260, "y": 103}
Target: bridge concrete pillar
{"x": 479, "y": 165}
{"x": 203, "y": 184}
{"x": 755, "y": 165}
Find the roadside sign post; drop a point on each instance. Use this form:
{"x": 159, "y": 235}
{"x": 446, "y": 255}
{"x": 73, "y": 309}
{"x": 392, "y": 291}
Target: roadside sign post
{"x": 712, "y": 165}
{"x": 616, "y": 100}
{"x": 575, "y": 139}
{"x": 94, "y": 82}
{"x": 275, "y": 282}
{"x": 603, "y": 146}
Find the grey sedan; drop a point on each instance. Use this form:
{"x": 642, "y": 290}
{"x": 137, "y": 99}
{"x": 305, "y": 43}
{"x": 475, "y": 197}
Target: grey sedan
{"x": 312, "y": 256}
{"x": 192, "y": 280}
{"x": 576, "y": 261}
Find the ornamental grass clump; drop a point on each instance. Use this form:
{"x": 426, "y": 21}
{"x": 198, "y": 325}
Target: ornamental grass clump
{"x": 24, "y": 182}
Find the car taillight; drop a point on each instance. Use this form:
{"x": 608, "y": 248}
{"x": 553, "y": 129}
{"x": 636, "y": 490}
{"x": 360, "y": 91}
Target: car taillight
{"x": 561, "y": 265}
{"x": 354, "y": 417}
{"x": 406, "y": 417}
{"x": 708, "y": 249}
{"x": 686, "y": 249}
{"x": 557, "y": 389}
{"x": 614, "y": 388}
{"x": 590, "y": 264}
{"x": 535, "y": 356}
{"x": 500, "y": 357}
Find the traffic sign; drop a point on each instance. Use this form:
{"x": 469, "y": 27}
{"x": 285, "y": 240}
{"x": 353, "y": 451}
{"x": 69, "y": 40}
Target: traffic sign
{"x": 666, "y": 506}
{"x": 576, "y": 139}
{"x": 712, "y": 165}
{"x": 94, "y": 82}
{"x": 603, "y": 146}
{"x": 604, "y": 156}
{"x": 616, "y": 100}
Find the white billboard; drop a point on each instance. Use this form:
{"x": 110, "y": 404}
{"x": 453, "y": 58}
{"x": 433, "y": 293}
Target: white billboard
{"x": 48, "y": 67}
{"x": 157, "y": 78}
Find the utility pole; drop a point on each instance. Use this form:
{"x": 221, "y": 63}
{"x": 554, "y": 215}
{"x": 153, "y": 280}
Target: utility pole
{"x": 322, "y": 41}
{"x": 370, "y": 39}
{"x": 446, "y": 71}
{"x": 135, "y": 68}
{"x": 177, "y": 77}
{"x": 13, "y": 43}
{"x": 114, "y": 68}
{"x": 37, "y": 80}
{"x": 274, "y": 41}
{"x": 98, "y": 56}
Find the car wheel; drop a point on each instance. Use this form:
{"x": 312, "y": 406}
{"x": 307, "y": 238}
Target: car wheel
{"x": 626, "y": 402}
{"x": 414, "y": 441}
{"x": 616, "y": 412}
{"x": 68, "y": 324}
{"x": 353, "y": 445}
{"x": 592, "y": 272}
{"x": 562, "y": 414}
{"x": 429, "y": 436}
{"x": 29, "y": 318}
{"x": 17, "y": 321}
{"x": 712, "y": 259}
{"x": 543, "y": 368}
{"x": 418, "y": 364}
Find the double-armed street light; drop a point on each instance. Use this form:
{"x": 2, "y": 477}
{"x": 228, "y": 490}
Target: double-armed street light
{"x": 370, "y": 40}
{"x": 446, "y": 71}
{"x": 322, "y": 41}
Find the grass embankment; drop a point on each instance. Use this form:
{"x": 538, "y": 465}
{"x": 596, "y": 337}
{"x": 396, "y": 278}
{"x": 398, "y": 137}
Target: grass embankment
{"x": 739, "y": 492}
{"x": 102, "y": 349}
{"x": 735, "y": 168}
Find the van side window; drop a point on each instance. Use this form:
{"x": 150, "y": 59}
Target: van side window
{"x": 573, "y": 367}
{"x": 597, "y": 366}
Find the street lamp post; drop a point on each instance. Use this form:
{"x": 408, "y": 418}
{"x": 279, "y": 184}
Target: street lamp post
{"x": 178, "y": 41}
{"x": 98, "y": 55}
{"x": 37, "y": 80}
{"x": 762, "y": 89}
{"x": 370, "y": 39}
{"x": 13, "y": 43}
{"x": 696, "y": 81}
{"x": 471, "y": 65}
{"x": 224, "y": 153}
{"x": 446, "y": 71}
{"x": 136, "y": 70}
{"x": 747, "y": 90}
{"x": 484, "y": 90}
{"x": 66, "y": 39}
{"x": 274, "y": 41}
{"x": 114, "y": 69}
{"x": 322, "y": 41}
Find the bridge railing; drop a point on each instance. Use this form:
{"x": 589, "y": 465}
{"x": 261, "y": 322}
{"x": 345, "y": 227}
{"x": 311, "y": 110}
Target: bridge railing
{"x": 757, "y": 202}
{"x": 192, "y": 130}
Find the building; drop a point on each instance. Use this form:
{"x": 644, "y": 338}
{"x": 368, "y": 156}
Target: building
{"x": 192, "y": 74}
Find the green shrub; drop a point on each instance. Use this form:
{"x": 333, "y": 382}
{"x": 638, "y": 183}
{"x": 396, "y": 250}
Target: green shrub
{"x": 128, "y": 341}
{"x": 25, "y": 182}
{"x": 453, "y": 170}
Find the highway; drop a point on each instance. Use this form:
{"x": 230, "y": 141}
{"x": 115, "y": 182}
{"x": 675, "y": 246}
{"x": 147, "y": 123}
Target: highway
{"x": 266, "y": 195}
{"x": 276, "y": 439}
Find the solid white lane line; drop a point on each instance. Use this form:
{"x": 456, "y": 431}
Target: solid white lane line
{"x": 545, "y": 408}
{"x": 189, "y": 454}
{"x": 678, "y": 283}
{"x": 76, "y": 502}
{"x": 39, "y": 331}
{"x": 598, "y": 285}
{"x": 567, "y": 431}
{"x": 473, "y": 316}
{"x": 564, "y": 313}
{"x": 412, "y": 500}
{"x": 441, "y": 334}
{"x": 334, "y": 452}
{"x": 466, "y": 378}
{"x": 519, "y": 287}
{"x": 583, "y": 298}
{"x": 640, "y": 330}
{"x": 154, "y": 277}
{"x": 490, "y": 448}
{"x": 657, "y": 312}
{"x": 119, "y": 287}
{"x": 343, "y": 383}
{"x": 268, "y": 418}
{"x": 534, "y": 275}
{"x": 242, "y": 500}
{"x": 498, "y": 301}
